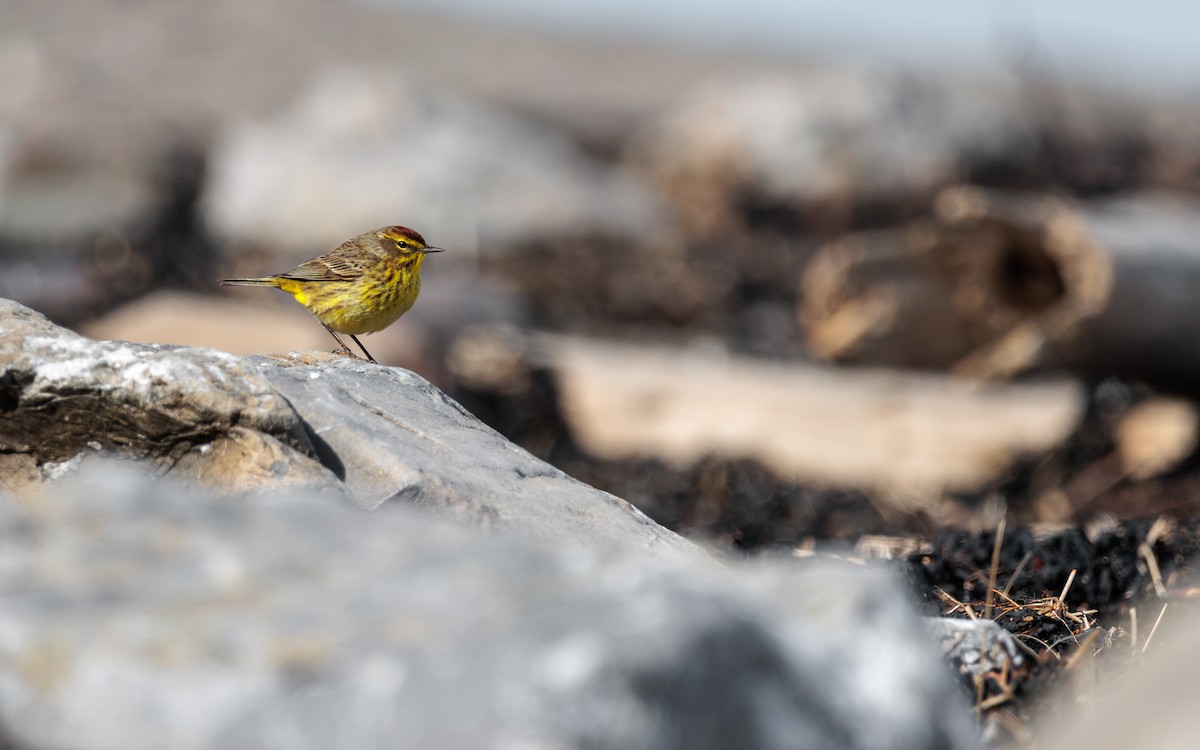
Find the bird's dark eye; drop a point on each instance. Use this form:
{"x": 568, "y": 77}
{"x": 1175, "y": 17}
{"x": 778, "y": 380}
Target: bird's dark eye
{"x": 401, "y": 244}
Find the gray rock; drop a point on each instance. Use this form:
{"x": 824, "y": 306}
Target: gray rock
{"x": 977, "y": 647}
{"x": 380, "y": 435}
{"x": 63, "y": 396}
{"x": 144, "y": 615}
{"x": 394, "y": 438}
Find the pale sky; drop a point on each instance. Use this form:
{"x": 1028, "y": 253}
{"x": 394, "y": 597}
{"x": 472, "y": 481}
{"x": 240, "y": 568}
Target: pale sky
{"x": 1149, "y": 44}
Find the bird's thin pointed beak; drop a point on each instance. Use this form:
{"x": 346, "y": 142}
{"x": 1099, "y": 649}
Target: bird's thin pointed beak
{"x": 434, "y": 250}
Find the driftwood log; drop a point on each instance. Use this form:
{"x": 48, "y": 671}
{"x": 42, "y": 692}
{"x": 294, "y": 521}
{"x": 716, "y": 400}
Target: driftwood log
{"x": 908, "y": 436}
{"x": 998, "y": 284}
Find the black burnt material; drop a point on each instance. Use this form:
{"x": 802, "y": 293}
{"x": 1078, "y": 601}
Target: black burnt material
{"x": 1110, "y": 571}
{"x": 1067, "y": 596}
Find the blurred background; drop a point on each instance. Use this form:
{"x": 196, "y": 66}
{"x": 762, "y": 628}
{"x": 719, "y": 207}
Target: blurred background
{"x": 775, "y": 272}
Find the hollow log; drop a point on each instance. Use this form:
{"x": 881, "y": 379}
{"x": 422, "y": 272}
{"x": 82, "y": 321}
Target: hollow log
{"x": 998, "y": 284}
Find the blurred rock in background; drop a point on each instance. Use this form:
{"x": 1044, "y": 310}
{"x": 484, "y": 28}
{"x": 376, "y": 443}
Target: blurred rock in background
{"x": 824, "y": 140}
{"x": 360, "y": 149}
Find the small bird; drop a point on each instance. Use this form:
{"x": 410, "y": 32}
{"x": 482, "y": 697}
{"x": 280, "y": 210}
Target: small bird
{"x": 362, "y": 286}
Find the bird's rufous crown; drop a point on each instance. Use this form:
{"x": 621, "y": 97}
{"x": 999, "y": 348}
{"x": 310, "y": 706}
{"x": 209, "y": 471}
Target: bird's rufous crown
{"x": 404, "y": 233}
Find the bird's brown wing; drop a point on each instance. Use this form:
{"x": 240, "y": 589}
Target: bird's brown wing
{"x": 327, "y": 267}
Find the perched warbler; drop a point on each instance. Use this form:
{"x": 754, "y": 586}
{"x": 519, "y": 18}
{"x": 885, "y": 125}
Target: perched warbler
{"x": 363, "y": 285}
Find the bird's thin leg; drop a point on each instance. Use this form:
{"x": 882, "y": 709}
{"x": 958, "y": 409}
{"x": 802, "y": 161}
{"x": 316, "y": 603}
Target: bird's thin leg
{"x": 345, "y": 349}
{"x": 360, "y": 346}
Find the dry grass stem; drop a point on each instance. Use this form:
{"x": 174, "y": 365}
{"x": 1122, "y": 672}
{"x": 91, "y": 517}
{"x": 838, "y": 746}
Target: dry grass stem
{"x": 1133, "y": 629}
{"x": 1154, "y": 629}
{"x": 1152, "y": 566}
{"x": 1016, "y": 573}
{"x": 1084, "y": 649}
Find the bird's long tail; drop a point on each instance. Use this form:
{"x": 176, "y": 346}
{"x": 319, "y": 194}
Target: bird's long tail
{"x": 264, "y": 281}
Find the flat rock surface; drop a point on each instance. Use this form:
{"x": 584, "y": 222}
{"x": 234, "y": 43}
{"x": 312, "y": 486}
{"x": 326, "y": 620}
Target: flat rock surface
{"x": 394, "y": 438}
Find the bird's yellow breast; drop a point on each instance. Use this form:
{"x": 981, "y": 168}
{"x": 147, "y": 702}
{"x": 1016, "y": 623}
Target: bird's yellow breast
{"x": 367, "y": 304}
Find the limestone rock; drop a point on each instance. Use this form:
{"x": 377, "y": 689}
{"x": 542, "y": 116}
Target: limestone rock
{"x": 143, "y": 615}
{"x": 380, "y": 435}
{"x": 63, "y": 397}
{"x": 394, "y": 438}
